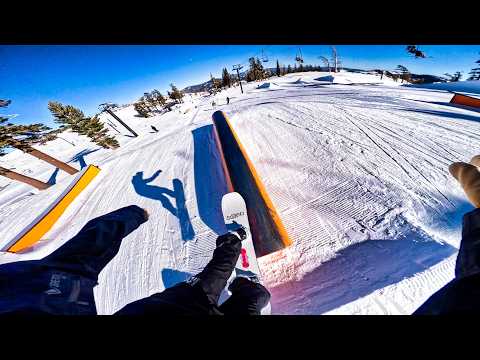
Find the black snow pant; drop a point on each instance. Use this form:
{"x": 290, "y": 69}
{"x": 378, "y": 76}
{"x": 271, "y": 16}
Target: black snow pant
{"x": 97, "y": 243}
{"x": 62, "y": 283}
{"x": 200, "y": 294}
{"x": 462, "y": 294}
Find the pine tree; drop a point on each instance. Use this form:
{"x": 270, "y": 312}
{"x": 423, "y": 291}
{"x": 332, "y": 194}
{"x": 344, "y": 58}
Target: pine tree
{"x": 226, "y": 78}
{"x": 150, "y": 101}
{"x": 175, "y": 94}
{"x": 140, "y": 108}
{"x": 405, "y": 74}
{"x": 216, "y": 84}
{"x": 256, "y": 71}
{"x": 145, "y": 105}
{"x": 455, "y": 77}
{"x": 289, "y": 69}
{"x": 23, "y": 137}
{"x": 95, "y": 130}
{"x": 72, "y": 118}
{"x": 475, "y": 72}
{"x": 159, "y": 98}
{"x": 278, "y": 72}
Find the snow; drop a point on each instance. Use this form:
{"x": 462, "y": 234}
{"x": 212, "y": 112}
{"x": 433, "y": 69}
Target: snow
{"x": 357, "y": 172}
{"x": 467, "y": 87}
{"x": 268, "y": 85}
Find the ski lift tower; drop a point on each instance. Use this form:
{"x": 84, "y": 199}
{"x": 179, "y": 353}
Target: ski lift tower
{"x": 238, "y": 67}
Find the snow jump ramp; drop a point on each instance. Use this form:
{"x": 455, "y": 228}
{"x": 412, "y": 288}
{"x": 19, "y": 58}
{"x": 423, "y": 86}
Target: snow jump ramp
{"x": 268, "y": 233}
{"x": 45, "y": 221}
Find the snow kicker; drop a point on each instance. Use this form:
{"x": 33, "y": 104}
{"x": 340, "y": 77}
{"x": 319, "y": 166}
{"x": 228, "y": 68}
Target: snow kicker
{"x": 44, "y": 222}
{"x": 465, "y": 100}
{"x": 268, "y": 233}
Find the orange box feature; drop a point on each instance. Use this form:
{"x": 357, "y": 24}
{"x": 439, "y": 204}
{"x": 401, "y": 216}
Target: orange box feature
{"x": 461, "y": 99}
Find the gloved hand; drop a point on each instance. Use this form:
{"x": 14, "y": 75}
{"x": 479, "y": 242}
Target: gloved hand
{"x": 242, "y": 233}
{"x": 238, "y": 234}
{"x": 468, "y": 175}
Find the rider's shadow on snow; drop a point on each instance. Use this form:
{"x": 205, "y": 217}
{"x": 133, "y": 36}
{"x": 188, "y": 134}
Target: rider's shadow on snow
{"x": 80, "y": 157}
{"x": 210, "y": 183}
{"x": 171, "y": 277}
{"x": 53, "y": 178}
{"x": 164, "y": 195}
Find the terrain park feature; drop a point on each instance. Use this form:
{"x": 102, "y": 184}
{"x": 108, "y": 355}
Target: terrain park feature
{"x": 268, "y": 232}
{"x": 45, "y": 221}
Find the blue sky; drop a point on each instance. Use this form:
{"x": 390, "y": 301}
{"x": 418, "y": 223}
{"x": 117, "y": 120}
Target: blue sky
{"x": 86, "y": 76}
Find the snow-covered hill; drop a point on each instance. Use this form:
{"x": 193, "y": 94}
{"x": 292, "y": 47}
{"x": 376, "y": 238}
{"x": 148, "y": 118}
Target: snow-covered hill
{"x": 468, "y": 87}
{"x": 356, "y": 167}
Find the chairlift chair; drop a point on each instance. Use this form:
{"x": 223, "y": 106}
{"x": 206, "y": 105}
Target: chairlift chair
{"x": 264, "y": 57}
{"x": 299, "y": 58}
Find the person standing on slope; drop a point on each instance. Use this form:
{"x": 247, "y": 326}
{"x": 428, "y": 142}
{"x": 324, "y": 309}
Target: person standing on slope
{"x": 462, "y": 294}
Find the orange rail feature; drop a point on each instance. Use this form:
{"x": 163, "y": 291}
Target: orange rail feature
{"x": 268, "y": 232}
{"x": 44, "y": 222}
{"x": 465, "y": 100}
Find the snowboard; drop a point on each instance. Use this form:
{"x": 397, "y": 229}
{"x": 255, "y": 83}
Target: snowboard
{"x": 235, "y": 214}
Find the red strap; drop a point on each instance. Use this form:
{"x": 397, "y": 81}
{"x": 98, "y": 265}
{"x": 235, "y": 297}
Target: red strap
{"x": 245, "y": 263}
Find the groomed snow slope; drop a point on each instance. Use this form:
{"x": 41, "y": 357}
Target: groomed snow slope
{"x": 358, "y": 174}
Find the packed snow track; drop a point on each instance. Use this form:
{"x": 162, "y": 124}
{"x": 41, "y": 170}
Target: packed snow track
{"x": 358, "y": 173}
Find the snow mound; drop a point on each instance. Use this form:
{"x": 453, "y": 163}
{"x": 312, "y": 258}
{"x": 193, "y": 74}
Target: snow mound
{"x": 300, "y": 81}
{"x": 268, "y": 85}
{"x": 328, "y": 78}
{"x": 471, "y": 86}
{"x": 349, "y": 78}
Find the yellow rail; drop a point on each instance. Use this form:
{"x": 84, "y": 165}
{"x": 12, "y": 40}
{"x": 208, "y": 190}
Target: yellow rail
{"x": 43, "y": 223}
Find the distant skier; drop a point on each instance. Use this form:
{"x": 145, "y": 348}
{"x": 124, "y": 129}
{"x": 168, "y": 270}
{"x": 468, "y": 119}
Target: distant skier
{"x": 154, "y": 128}
{"x": 228, "y": 100}
{"x": 213, "y": 104}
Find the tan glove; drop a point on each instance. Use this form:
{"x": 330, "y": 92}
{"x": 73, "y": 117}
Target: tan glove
{"x": 468, "y": 175}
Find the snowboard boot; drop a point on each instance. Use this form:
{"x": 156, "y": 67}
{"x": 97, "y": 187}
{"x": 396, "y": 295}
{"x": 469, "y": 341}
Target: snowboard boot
{"x": 214, "y": 277}
{"x": 249, "y": 275}
{"x": 249, "y": 296}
